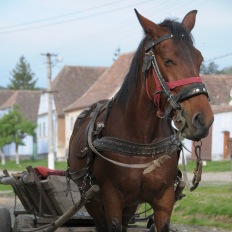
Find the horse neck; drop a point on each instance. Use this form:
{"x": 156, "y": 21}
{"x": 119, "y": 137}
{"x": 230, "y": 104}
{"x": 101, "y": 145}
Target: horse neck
{"x": 139, "y": 119}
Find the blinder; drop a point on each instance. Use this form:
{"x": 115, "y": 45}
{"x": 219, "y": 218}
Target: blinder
{"x": 194, "y": 84}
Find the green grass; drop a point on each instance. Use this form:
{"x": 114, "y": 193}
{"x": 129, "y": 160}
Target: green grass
{"x": 12, "y": 166}
{"x": 211, "y": 166}
{"x": 206, "y": 206}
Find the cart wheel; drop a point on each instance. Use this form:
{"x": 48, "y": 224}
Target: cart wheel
{"x": 23, "y": 222}
{"x": 5, "y": 220}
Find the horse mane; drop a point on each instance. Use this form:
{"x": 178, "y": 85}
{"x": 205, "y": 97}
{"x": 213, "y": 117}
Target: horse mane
{"x": 132, "y": 79}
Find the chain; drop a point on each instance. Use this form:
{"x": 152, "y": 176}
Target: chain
{"x": 198, "y": 169}
{"x": 82, "y": 188}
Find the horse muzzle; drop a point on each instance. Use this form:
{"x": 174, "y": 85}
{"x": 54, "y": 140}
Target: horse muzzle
{"x": 194, "y": 128}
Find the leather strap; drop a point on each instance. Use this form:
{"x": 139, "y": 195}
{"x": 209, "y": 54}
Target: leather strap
{"x": 116, "y": 145}
{"x": 93, "y": 149}
{"x": 153, "y": 43}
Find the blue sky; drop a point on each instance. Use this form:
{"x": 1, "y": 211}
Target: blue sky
{"x": 87, "y": 33}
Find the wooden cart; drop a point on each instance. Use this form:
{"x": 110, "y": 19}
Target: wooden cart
{"x": 47, "y": 206}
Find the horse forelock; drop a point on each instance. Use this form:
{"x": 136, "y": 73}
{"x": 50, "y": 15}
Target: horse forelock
{"x": 178, "y": 30}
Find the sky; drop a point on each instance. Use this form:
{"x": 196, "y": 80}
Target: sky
{"x": 87, "y": 33}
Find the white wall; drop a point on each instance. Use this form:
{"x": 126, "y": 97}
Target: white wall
{"x": 70, "y": 119}
{"x": 222, "y": 122}
{"x": 42, "y": 125}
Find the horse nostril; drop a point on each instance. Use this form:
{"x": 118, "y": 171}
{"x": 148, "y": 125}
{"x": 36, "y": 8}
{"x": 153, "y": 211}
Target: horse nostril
{"x": 198, "y": 120}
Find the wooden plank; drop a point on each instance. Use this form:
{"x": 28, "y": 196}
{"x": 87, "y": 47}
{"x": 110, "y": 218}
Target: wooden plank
{"x": 56, "y": 187}
{"x": 44, "y": 195}
{"x": 20, "y": 192}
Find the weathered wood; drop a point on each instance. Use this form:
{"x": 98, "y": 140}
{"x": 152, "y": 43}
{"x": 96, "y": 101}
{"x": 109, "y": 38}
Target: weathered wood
{"x": 20, "y": 192}
{"x": 56, "y": 187}
{"x": 45, "y": 198}
{"x": 69, "y": 213}
{"x": 7, "y": 180}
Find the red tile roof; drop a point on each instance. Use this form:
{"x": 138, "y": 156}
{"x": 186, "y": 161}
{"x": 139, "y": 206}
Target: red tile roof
{"x": 219, "y": 87}
{"x": 5, "y": 94}
{"x": 28, "y": 102}
{"x": 71, "y": 83}
{"x": 107, "y": 85}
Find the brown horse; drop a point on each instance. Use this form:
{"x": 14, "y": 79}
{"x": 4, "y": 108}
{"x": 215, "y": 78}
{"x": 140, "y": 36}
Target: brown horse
{"x": 127, "y": 145}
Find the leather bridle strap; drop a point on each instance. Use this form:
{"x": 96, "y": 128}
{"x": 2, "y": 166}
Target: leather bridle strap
{"x": 153, "y": 43}
{"x": 195, "y": 87}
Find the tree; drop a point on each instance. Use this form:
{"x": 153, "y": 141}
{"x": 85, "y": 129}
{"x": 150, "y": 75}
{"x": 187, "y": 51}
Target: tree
{"x": 14, "y": 128}
{"x": 116, "y": 54}
{"x": 211, "y": 68}
{"x": 4, "y": 138}
{"x": 227, "y": 70}
{"x": 22, "y": 76}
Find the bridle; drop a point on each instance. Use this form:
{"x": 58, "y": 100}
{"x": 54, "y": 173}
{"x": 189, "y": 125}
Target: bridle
{"x": 194, "y": 84}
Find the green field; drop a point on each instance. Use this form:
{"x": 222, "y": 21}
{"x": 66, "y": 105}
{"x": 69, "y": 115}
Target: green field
{"x": 211, "y": 166}
{"x": 206, "y": 206}
{"x": 12, "y": 166}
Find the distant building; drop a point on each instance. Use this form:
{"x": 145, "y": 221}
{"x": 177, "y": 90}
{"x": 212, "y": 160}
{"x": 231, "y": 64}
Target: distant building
{"x": 68, "y": 86}
{"x": 28, "y": 103}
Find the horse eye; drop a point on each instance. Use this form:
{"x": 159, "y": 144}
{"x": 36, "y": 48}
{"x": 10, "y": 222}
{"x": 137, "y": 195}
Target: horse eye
{"x": 168, "y": 62}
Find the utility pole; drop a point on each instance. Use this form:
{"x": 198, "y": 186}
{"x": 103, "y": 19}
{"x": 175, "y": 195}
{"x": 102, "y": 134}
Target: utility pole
{"x": 51, "y": 155}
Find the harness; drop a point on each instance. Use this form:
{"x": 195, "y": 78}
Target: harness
{"x": 161, "y": 151}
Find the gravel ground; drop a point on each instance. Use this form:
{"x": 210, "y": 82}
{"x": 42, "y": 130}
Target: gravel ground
{"x": 7, "y": 200}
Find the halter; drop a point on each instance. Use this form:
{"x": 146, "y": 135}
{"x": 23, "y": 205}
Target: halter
{"x": 195, "y": 86}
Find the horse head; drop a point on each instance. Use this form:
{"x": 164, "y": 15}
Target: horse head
{"x": 171, "y": 66}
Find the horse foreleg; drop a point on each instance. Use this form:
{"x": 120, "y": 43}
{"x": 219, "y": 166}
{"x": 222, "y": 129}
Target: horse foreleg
{"x": 127, "y": 214}
{"x": 113, "y": 210}
{"x": 95, "y": 210}
{"x": 162, "y": 210}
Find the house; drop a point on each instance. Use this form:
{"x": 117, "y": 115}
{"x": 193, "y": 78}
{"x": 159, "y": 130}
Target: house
{"x": 69, "y": 85}
{"x": 28, "y": 103}
{"x": 219, "y": 86}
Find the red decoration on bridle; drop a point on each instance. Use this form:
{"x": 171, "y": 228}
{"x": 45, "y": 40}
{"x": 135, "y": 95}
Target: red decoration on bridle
{"x": 171, "y": 85}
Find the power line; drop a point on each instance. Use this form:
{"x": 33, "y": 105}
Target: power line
{"x": 219, "y": 57}
{"x": 59, "y": 16}
{"x": 72, "y": 20}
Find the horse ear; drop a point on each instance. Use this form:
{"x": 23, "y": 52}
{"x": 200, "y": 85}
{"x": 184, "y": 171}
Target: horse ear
{"x": 148, "y": 26}
{"x": 189, "y": 20}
